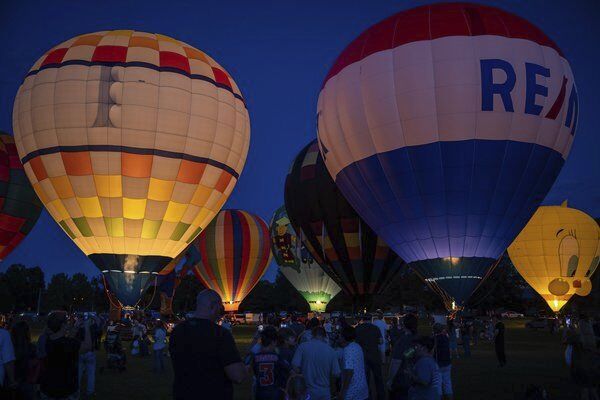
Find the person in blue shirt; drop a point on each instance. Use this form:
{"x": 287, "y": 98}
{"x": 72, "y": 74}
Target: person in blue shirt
{"x": 425, "y": 375}
{"x": 318, "y": 363}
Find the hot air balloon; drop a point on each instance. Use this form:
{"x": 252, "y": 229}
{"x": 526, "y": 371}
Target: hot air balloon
{"x": 235, "y": 254}
{"x": 445, "y": 126}
{"x": 20, "y": 207}
{"x": 557, "y": 252}
{"x": 348, "y": 250}
{"x": 298, "y": 265}
{"x": 133, "y": 141}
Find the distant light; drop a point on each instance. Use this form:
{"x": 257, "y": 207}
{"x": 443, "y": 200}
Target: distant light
{"x": 230, "y": 301}
{"x": 453, "y": 260}
{"x": 453, "y": 305}
{"x": 319, "y": 302}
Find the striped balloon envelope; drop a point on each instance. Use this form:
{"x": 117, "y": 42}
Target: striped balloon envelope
{"x": 445, "y": 126}
{"x": 235, "y": 253}
{"x": 297, "y": 264}
{"x": 133, "y": 141}
{"x": 20, "y": 207}
{"x": 347, "y": 249}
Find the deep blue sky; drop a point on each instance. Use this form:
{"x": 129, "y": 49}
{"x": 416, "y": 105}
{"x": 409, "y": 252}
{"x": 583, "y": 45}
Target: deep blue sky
{"x": 278, "y": 52}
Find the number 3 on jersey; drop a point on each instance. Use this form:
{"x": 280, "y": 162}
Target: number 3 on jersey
{"x": 266, "y": 374}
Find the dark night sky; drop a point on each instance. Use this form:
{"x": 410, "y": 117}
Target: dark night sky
{"x": 278, "y": 52}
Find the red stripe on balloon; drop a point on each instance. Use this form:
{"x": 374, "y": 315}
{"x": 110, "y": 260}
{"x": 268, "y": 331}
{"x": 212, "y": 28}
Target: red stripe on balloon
{"x": 246, "y": 238}
{"x": 553, "y": 112}
{"x": 436, "y": 21}
{"x": 229, "y": 253}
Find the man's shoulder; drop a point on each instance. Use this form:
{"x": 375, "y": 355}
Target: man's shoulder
{"x": 352, "y": 348}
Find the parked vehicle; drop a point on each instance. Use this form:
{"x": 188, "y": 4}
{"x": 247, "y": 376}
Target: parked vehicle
{"x": 511, "y": 314}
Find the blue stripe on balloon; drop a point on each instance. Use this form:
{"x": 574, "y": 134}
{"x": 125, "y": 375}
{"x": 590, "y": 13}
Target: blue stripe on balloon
{"x": 462, "y": 198}
{"x": 238, "y": 248}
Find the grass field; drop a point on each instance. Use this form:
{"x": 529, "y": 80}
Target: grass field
{"x": 533, "y": 358}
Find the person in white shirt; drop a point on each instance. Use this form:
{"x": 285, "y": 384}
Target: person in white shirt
{"x": 160, "y": 342}
{"x": 7, "y": 360}
{"x": 354, "y": 377}
{"x": 383, "y": 328}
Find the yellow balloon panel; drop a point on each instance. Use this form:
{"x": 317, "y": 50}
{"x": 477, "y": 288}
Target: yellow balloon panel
{"x": 132, "y": 140}
{"x": 557, "y": 252}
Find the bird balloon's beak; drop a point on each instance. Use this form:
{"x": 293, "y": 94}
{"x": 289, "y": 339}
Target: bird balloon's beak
{"x": 576, "y": 283}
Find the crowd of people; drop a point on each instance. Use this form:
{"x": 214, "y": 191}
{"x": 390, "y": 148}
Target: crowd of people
{"x": 318, "y": 359}
{"x": 291, "y": 359}
{"x": 62, "y": 363}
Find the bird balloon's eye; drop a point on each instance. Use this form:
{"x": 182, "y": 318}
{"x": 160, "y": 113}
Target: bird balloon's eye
{"x": 568, "y": 252}
{"x": 572, "y": 268}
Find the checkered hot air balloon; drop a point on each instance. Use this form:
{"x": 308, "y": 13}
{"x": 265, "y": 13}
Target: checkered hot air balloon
{"x": 298, "y": 265}
{"x": 234, "y": 254}
{"x": 133, "y": 141}
{"x": 445, "y": 126}
{"x": 20, "y": 207}
{"x": 347, "y": 249}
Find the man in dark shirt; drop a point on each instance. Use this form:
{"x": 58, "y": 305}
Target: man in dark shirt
{"x": 441, "y": 354}
{"x": 398, "y": 381}
{"x": 499, "y": 341}
{"x": 368, "y": 336}
{"x": 205, "y": 358}
{"x": 60, "y": 377}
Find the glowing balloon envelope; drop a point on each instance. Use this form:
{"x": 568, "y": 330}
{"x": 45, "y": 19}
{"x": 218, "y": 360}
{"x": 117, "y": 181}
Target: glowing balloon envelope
{"x": 235, "y": 254}
{"x": 133, "y": 141}
{"x": 298, "y": 265}
{"x": 20, "y": 207}
{"x": 445, "y": 126}
{"x": 557, "y": 252}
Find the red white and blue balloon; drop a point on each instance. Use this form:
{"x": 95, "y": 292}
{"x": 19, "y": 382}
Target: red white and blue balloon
{"x": 445, "y": 127}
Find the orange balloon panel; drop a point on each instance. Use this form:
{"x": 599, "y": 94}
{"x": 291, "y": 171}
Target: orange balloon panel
{"x": 557, "y": 252}
{"x": 133, "y": 141}
{"x": 235, "y": 253}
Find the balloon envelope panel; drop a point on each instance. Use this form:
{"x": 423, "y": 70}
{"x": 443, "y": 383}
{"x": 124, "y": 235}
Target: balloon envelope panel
{"x": 557, "y": 252}
{"x": 133, "y": 141}
{"x": 298, "y": 265}
{"x": 235, "y": 254}
{"x": 20, "y": 207}
{"x": 356, "y": 258}
{"x": 445, "y": 126}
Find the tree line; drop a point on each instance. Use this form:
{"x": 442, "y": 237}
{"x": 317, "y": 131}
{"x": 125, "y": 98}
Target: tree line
{"x": 23, "y": 289}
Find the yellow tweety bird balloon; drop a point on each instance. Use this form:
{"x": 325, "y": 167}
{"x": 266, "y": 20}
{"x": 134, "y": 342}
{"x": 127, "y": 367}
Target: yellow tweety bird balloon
{"x": 557, "y": 252}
